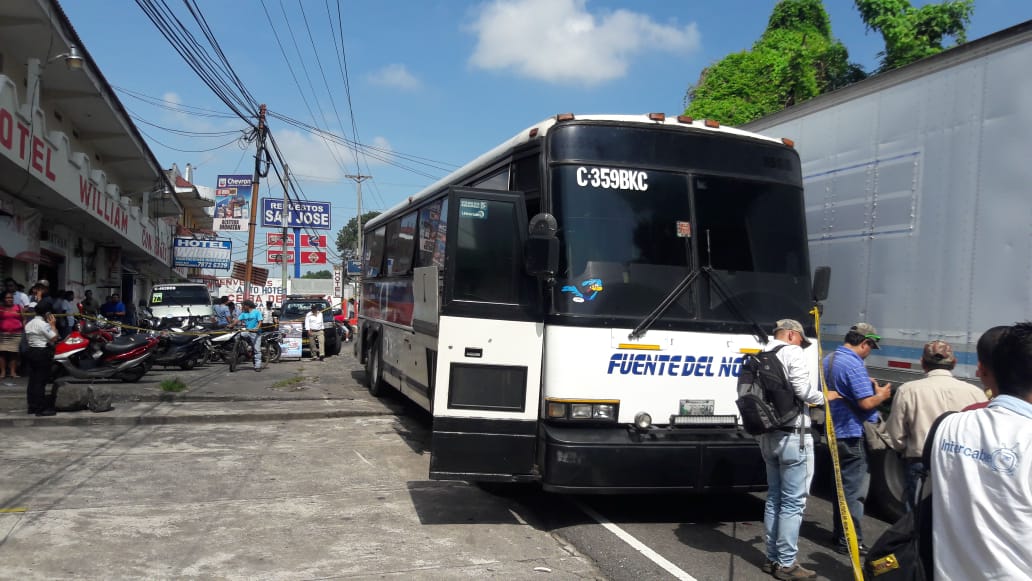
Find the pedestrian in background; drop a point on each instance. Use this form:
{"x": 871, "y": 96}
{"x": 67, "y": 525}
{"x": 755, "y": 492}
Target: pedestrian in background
{"x": 89, "y": 304}
{"x": 981, "y": 475}
{"x": 984, "y": 371}
{"x": 20, "y": 298}
{"x": 918, "y": 403}
{"x": 41, "y": 333}
{"x": 12, "y": 328}
{"x": 788, "y": 453}
{"x": 113, "y": 309}
{"x": 221, "y": 312}
{"x": 316, "y": 339}
{"x": 856, "y": 401}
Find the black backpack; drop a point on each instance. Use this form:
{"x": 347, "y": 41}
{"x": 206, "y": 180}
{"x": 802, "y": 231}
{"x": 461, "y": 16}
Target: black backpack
{"x": 766, "y": 399}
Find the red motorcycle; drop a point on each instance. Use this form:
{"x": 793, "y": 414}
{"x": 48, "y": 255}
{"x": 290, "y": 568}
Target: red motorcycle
{"x": 93, "y": 351}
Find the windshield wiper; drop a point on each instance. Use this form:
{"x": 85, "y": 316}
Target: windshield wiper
{"x": 663, "y": 305}
{"x": 736, "y": 307}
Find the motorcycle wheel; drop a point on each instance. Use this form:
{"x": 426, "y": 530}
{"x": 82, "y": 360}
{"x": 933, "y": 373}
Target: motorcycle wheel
{"x": 272, "y": 352}
{"x": 236, "y": 353}
{"x": 188, "y": 364}
{"x": 132, "y": 375}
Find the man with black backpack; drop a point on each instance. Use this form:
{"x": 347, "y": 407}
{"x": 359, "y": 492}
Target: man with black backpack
{"x": 787, "y": 447}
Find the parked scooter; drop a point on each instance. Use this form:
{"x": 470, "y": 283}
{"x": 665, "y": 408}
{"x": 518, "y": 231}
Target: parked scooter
{"x": 268, "y": 342}
{"x": 178, "y": 344}
{"x": 92, "y": 351}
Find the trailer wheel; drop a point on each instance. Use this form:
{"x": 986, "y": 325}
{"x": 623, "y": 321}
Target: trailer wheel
{"x": 888, "y": 481}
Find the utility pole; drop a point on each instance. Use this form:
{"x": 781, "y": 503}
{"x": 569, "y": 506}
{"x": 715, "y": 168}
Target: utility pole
{"x": 285, "y": 217}
{"x": 359, "y": 178}
{"x": 252, "y": 224}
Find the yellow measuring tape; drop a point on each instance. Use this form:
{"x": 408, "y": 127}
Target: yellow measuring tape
{"x": 829, "y": 431}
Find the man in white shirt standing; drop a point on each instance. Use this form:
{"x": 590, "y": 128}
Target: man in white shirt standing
{"x": 788, "y": 453}
{"x": 314, "y": 325}
{"x": 981, "y": 474}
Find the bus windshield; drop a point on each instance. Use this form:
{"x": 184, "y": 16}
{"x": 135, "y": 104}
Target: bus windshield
{"x": 624, "y": 248}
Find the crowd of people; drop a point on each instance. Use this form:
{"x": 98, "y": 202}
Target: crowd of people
{"x": 980, "y": 473}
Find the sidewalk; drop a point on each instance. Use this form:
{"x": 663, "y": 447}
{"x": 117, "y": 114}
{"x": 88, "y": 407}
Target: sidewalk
{"x": 286, "y": 390}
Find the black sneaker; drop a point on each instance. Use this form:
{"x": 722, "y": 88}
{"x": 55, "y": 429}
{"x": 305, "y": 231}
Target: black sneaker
{"x": 47, "y": 412}
{"x": 768, "y": 567}
{"x": 844, "y": 549}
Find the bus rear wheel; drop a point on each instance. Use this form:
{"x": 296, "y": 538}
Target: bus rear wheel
{"x": 374, "y": 371}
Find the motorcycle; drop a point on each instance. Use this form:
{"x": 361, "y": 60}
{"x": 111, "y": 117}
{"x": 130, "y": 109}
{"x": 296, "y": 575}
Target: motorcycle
{"x": 178, "y": 344}
{"x": 93, "y": 351}
{"x": 268, "y": 342}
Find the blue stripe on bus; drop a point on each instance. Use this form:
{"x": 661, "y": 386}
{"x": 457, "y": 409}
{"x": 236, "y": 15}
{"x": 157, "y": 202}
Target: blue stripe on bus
{"x": 910, "y": 353}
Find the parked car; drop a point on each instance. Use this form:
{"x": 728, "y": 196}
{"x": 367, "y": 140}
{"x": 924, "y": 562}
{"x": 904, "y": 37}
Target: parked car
{"x": 294, "y": 309}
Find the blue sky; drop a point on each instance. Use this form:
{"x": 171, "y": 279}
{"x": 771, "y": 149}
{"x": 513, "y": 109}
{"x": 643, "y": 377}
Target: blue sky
{"x": 441, "y": 80}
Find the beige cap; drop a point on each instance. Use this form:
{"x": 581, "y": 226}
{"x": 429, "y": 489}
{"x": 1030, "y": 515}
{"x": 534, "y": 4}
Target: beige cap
{"x": 792, "y": 325}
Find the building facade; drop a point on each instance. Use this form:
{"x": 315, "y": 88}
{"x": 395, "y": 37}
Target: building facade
{"x": 84, "y": 203}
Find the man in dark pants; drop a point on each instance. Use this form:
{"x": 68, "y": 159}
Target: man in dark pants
{"x": 847, "y": 376}
{"x": 41, "y": 333}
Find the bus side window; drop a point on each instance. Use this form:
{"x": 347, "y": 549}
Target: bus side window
{"x": 526, "y": 178}
{"x": 487, "y": 259}
{"x": 400, "y": 240}
{"x": 432, "y": 230}
{"x": 374, "y": 251}
{"x": 496, "y": 181}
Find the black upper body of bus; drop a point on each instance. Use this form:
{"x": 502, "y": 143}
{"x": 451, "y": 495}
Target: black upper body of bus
{"x": 641, "y": 208}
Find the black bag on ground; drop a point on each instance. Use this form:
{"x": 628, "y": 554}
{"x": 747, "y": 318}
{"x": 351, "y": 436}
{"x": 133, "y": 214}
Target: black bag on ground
{"x": 904, "y": 551}
{"x": 766, "y": 399}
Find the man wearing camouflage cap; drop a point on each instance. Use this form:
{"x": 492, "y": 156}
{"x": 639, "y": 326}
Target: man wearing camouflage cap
{"x": 916, "y": 405}
{"x": 856, "y": 401}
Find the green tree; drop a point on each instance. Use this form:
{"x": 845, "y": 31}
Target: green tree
{"x": 318, "y": 274}
{"x": 347, "y": 237}
{"x": 795, "y": 59}
{"x": 912, "y": 34}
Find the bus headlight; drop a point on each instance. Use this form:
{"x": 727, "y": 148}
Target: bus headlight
{"x": 642, "y": 421}
{"x": 582, "y": 410}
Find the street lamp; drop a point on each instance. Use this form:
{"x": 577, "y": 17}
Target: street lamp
{"x": 73, "y": 58}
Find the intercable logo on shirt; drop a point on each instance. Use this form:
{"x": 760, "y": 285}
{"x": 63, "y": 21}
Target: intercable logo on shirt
{"x": 1004, "y": 460}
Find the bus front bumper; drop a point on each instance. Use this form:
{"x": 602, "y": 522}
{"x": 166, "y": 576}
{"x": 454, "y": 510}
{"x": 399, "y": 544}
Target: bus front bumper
{"x": 621, "y": 459}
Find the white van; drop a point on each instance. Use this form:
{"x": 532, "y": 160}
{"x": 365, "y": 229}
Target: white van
{"x": 187, "y": 299}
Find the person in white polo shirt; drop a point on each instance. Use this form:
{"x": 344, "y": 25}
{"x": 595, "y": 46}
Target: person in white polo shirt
{"x": 314, "y": 325}
{"x": 981, "y": 475}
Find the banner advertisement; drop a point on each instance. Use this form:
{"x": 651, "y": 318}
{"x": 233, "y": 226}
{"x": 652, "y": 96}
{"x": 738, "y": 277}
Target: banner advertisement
{"x": 193, "y": 253}
{"x": 338, "y": 282}
{"x": 314, "y": 215}
{"x": 354, "y": 268}
{"x": 313, "y": 257}
{"x": 233, "y": 203}
{"x": 276, "y": 239}
{"x": 233, "y": 288}
{"x": 291, "y": 342}
{"x": 309, "y": 241}
{"x": 276, "y": 256}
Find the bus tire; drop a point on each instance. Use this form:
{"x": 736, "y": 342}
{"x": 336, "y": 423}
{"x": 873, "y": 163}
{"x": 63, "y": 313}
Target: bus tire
{"x": 888, "y": 480}
{"x": 374, "y": 370}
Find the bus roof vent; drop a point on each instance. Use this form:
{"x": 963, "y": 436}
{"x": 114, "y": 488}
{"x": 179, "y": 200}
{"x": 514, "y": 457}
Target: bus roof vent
{"x": 657, "y": 117}
{"x": 564, "y": 117}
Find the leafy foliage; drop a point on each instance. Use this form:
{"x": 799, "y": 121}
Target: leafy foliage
{"x": 915, "y": 33}
{"x": 794, "y": 60}
{"x": 347, "y": 237}
{"x": 318, "y": 274}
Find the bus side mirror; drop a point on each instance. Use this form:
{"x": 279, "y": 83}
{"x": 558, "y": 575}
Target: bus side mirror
{"x": 821, "y": 282}
{"x": 541, "y": 250}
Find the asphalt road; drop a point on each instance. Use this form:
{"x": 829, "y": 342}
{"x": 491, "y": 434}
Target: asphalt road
{"x": 337, "y": 498}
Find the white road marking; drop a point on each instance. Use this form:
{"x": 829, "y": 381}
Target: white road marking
{"x": 362, "y": 457}
{"x": 637, "y": 545}
{"x": 518, "y": 518}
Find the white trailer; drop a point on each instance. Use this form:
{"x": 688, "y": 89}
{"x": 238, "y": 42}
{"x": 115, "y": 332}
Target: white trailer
{"x": 918, "y": 193}
{"x": 919, "y": 196}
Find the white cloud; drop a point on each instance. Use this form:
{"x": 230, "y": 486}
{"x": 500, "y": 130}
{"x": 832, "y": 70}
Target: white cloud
{"x": 312, "y": 157}
{"x": 559, "y": 41}
{"x": 395, "y": 76}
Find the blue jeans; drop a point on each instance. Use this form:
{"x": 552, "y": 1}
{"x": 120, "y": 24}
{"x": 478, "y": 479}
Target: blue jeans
{"x": 252, "y": 338}
{"x": 789, "y": 472}
{"x": 914, "y": 474}
{"x": 856, "y": 479}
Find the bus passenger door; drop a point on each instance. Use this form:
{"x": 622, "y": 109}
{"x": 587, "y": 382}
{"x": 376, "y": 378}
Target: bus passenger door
{"x": 486, "y": 385}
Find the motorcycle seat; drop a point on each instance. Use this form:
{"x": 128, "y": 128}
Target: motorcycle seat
{"x": 124, "y": 344}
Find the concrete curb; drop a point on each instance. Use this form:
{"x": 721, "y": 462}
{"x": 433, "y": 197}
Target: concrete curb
{"x": 164, "y": 413}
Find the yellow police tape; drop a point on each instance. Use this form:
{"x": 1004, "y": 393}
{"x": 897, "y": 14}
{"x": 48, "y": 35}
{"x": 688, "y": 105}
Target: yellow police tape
{"x": 829, "y": 431}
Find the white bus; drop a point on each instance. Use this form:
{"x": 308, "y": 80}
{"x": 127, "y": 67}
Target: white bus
{"x": 594, "y": 346}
